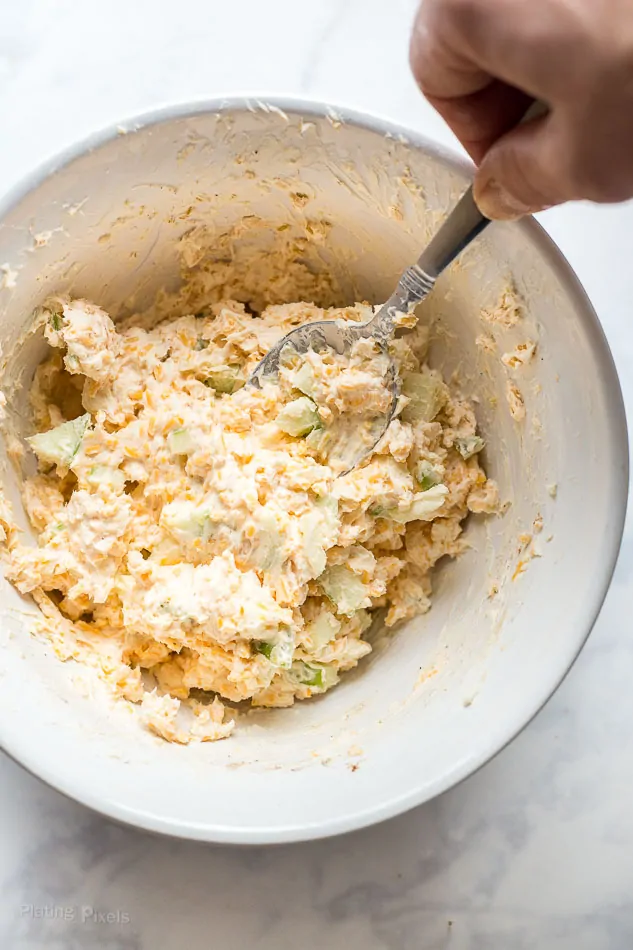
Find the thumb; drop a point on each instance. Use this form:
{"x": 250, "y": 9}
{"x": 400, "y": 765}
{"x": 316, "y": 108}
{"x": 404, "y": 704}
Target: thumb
{"x": 522, "y": 172}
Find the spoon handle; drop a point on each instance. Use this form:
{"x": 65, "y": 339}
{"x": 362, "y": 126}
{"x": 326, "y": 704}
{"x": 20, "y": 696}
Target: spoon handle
{"x": 463, "y": 225}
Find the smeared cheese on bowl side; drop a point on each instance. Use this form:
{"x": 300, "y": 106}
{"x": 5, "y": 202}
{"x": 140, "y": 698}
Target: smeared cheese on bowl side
{"x": 194, "y": 542}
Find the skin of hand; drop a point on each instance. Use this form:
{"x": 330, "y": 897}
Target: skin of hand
{"x": 481, "y": 62}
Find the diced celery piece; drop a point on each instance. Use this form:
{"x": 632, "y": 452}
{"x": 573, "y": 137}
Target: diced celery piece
{"x": 267, "y": 547}
{"x": 427, "y": 394}
{"x": 315, "y": 675}
{"x": 303, "y": 380}
{"x": 185, "y": 520}
{"x": 322, "y": 630}
{"x": 426, "y": 476}
{"x": 283, "y": 649}
{"x": 299, "y": 417}
{"x": 364, "y": 619}
{"x": 61, "y": 444}
{"x": 279, "y": 651}
{"x": 318, "y": 440}
{"x": 225, "y": 379}
{"x": 469, "y": 445}
{"x": 319, "y": 528}
{"x": 327, "y": 506}
{"x": 106, "y": 475}
{"x": 422, "y": 506}
{"x": 266, "y": 649}
{"x": 201, "y": 343}
{"x": 180, "y": 442}
{"x": 344, "y": 588}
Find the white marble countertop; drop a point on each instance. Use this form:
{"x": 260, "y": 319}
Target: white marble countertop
{"x": 536, "y": 850}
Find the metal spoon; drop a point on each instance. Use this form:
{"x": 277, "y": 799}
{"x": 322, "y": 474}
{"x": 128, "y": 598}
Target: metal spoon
{"x": 461, "y": 227}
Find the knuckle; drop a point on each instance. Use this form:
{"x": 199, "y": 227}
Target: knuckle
{"x": 523, "y": 178}
{"x": 436, "y": 50}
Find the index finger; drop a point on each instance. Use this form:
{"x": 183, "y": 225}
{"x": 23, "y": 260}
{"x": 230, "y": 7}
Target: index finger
{"x": 477, "y": 107}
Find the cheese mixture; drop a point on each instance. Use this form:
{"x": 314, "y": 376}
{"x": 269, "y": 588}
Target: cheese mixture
{"x": 193, "y": 539}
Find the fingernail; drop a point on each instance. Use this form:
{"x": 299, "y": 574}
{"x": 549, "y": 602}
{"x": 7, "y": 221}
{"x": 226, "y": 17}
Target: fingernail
{"x": 498, "y": 204}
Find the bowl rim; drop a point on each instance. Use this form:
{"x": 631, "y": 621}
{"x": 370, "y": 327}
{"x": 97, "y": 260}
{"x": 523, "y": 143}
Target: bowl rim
{"x": 616, "y": 420}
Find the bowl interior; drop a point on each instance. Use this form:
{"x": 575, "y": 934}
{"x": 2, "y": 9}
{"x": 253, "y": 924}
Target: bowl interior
{"x": 293, "y": 196}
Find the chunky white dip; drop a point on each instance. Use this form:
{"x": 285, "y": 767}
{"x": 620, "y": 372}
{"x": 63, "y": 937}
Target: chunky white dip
{"x": 192, "y": 534}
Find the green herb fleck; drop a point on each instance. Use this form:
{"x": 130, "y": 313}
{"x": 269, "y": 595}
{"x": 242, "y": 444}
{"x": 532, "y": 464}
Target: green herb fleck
{"x": 264, "y": 648}
{"x": 426, "y": 476}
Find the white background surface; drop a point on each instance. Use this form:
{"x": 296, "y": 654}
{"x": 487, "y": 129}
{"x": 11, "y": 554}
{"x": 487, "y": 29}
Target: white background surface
{"x": 535, "y": 851}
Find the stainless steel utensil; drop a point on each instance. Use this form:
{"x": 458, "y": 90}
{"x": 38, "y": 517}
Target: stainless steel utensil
{"x": 461, "y": 227}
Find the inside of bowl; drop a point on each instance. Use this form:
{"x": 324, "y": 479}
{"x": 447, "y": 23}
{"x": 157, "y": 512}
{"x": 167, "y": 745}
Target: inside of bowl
{"x": 330, "y": 211}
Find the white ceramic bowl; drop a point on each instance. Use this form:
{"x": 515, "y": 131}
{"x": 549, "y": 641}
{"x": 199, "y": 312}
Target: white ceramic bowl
{"x": 446, "y": 692}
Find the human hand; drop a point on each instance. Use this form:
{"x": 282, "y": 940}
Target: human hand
{"x": 481, "y": 62}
